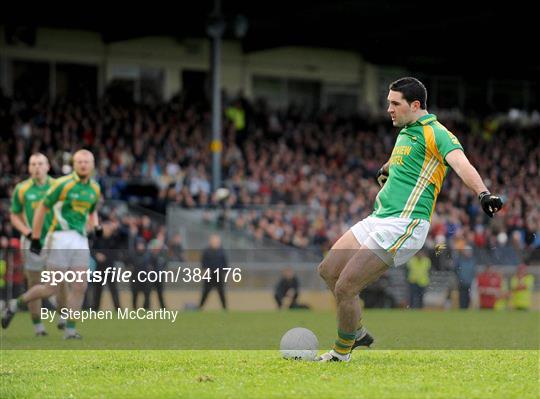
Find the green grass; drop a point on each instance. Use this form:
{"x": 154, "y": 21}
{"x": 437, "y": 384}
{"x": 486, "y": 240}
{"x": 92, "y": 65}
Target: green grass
{"x": 397, "y": 373}
{"x": 393, "y": 329}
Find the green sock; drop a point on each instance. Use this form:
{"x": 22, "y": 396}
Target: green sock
{"x": 344, "y": 342}
{"x": 38, "y": 326}
{"x": 20, "y": 302}
{"x": 70, "y": 324}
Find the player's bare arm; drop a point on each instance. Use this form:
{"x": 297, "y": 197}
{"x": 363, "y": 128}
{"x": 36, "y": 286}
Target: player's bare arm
{"x": 37, "y": 226}
{"x": 94, "y": 219}
{"x": 93, "y": 224}
{"x": 39, "y": 218}
{"x": 18, "y": 221}
{"x": 468, "y": 174}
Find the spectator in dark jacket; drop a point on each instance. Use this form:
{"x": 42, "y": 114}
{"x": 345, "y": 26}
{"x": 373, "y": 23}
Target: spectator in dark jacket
{"x": 465, "y": 267}
{"x": 215, "y": 261}
{"x": 138, "y": 262}
{"x": 176, "y": 249}
{"x": 156, "y": 259}
{"x": 104, "y": 255}
{"x": 287, "y": 287}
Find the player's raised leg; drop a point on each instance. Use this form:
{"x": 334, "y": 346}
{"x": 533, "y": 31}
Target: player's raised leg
{"x": 336, "y": 259}
{"x": 334, "y": 263}
{"x": 362, "y": 268}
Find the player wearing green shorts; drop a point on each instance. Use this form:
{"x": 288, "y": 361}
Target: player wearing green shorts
{"x": 411, "y": 181}
{"x": 72, "y": 200}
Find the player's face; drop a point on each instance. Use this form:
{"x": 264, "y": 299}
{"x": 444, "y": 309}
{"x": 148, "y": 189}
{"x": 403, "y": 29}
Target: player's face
{"x": 38, "y": 166}
{"x": 83, "y": 163}
{"x": 399, "y": 109}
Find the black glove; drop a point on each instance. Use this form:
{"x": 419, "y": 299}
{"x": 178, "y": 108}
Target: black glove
{"x": 491, "y": 204}
{"x": 98, "y": 231}
{"x": 35, "y": 246}
{"x": 29, "y": 235}
{"x": 382, "y": 176}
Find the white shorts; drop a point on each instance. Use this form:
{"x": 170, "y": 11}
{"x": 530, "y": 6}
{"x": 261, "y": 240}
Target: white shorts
{"x": 394, "y": 240}
{"x": 31, "y": 261}
{"x": 67, "y": 249}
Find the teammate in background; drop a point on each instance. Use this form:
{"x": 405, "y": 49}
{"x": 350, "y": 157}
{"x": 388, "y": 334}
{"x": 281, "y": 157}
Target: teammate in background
{"x": 26, "y": 197}
{"x": 73, "y": 199}
{"x": 396, "y": 230}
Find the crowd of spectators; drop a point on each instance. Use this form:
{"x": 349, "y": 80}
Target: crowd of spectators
{"x": 301, "y": 178}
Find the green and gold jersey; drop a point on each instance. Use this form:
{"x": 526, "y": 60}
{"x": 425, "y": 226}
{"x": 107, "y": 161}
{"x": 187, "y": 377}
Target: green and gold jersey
{"x": 26, "y": 197}
{"x": 417, "y": 170}
{"x": 72, "y": 201}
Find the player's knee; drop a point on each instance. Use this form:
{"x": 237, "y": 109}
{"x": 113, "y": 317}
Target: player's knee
{"x": 51, "y": 289}
{"x": 344, "y": 290}
{"x": 79, "y": 287}
{"x": 325, "y": 269}
{"x": 322, "y": 269}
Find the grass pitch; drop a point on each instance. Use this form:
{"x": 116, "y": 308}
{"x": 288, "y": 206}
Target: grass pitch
{"x": 406, "y": 367}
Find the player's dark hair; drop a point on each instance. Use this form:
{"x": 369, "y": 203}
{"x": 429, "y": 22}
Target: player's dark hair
{"x": 411, "y": 89}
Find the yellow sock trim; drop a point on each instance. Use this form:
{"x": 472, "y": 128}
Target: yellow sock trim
{"x": 341, "y": 351}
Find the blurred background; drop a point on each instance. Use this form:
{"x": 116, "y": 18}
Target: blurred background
{"x": 265, "y": 123}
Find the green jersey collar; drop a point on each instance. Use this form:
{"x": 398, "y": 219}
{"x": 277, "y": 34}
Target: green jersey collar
{"x": 426, "y": 119}
{"x": 78, "y": 179}
{"x": 47, "y": 181}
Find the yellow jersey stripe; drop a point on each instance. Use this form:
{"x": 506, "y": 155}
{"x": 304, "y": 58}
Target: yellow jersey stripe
{"x": 59, "y": 181}
{"x": 62, "y": 197}
{"x": 439, "y": 174}
{"x": 435, "y": 176}
{"x": 54, "y": 223}
{"x": 412, "y": 194}
{"x": 65, "y": 190}
{"x": 423, "y": 180}
{"x": 96, "y": 187}
{"x": 425, "y": 166}
{"x": 24, "y": 188}
{"x": 421, "y": 184}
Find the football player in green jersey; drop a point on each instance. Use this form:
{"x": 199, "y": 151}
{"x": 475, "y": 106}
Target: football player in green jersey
{"x": 26, "y": 197}
{"x": 411, "y": 181}
{"x": 73, "y": 200}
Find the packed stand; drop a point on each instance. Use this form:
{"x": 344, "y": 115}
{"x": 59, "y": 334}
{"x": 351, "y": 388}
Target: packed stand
{"x": 273, "y": 159}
